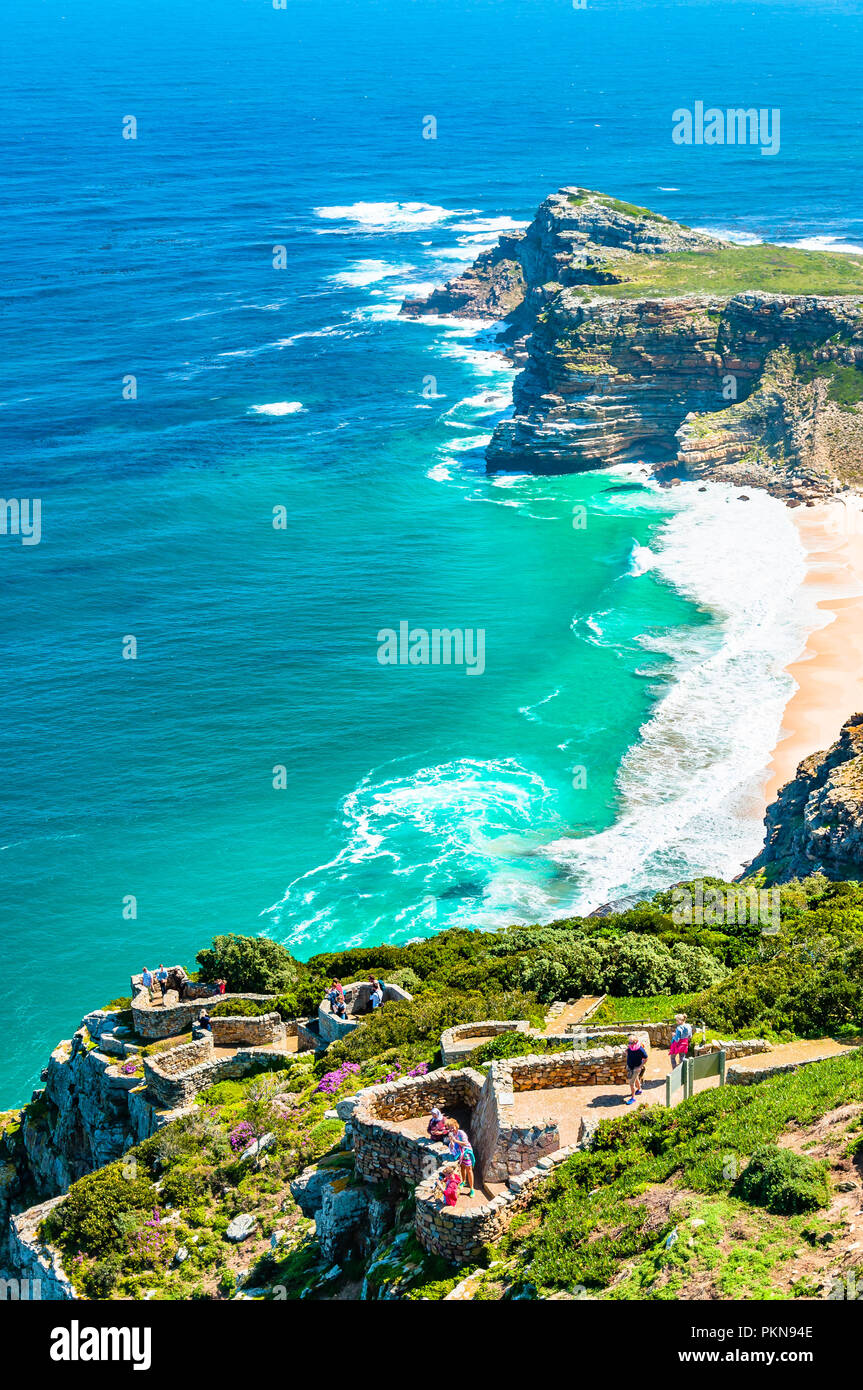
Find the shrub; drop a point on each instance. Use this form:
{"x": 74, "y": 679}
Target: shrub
{"x": 183, "y": 1187}
{"x": 404, "y": 978}
{"x": 783, "y": 1182}
{"x": 623, "y": 964}
{"x": 249, "y": 964}
{"x": 92, "y": 1217}
{"x": 401, "y": 1022}
{"x": 101, "y": 1280}
{"x": 241, "y": 1008}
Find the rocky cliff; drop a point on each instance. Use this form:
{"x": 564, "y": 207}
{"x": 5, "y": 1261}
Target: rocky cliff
{"x": 642, "y": 339}
{"x": 816, "y": 822}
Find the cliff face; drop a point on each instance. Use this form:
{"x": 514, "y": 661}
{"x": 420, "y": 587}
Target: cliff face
{"x": 816, "y": 822}
{"x": 623, "y": 360}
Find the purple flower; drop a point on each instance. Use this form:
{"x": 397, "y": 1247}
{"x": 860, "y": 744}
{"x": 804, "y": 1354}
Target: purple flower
{"x": 241, "y": 1136}
{"x": 332, "y": 1080}
{"x": 419, "y": 1070}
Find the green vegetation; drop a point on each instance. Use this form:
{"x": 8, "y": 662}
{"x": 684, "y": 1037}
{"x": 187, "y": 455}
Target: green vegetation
{"x": 249, "y": 964}
{"x": 421, "y": 1023}
{"x": 524, "y": 1045}
{"x": 845, "y": 383}
{"x": 590, "y": 1220}
{"x": 782, "y": 1181}
{"x": 731, "y": 270}
{"x": 652, "y": 1008}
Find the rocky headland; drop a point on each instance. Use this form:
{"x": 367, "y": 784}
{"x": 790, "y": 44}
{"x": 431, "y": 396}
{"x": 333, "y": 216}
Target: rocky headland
{"x": 641, "y": 339}
{"x": 815, "y": 825}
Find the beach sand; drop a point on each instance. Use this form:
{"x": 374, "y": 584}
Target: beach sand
{"x": 829, "y": 673}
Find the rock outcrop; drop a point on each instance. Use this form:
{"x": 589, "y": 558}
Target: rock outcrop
{"x": 623, "y": 360}
{"x": 816, "y": 822}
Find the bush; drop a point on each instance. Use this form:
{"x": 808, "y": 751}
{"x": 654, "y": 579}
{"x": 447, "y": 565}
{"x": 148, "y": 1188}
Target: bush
{"x": 184, "y": 1187}
{"x": 241, "y": 1008}
{"x": 624, "y": 964}
{"x": 101, "y": 1280}
{"x": 93, "y": 1218}
{"x": 424, "y": 1019}
{"x": 249, "y": 964}
{"x": 404, "y": 978}
{"x": 783, "y": 1182}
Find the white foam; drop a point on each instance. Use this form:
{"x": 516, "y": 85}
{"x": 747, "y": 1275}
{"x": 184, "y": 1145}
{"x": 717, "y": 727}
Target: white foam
{"x": 826, "y": 243}
{"x": 278, "y": 408}
{"x": 466, "y": 812}
{"x": 689, "y": 787}
{"x": 368, "y": 272}
{"x": 736, "y": 237}
{"x": 392, "y": 217}
{"x": 641, "y": 559}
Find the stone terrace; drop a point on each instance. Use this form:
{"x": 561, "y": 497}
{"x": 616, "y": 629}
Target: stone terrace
{"x": 235, "y": 1047}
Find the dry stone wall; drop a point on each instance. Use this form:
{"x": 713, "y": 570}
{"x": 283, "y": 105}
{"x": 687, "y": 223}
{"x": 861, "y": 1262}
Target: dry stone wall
{"x": 173, "y": 1018}
{"x": 238, "y": 1031}
{"x": 460, "y": 1235}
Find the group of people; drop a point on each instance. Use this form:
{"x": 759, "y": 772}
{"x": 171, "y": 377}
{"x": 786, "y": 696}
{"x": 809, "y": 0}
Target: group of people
{"x": 155, "y": 982}
{"x": 336, "y": 996}
{"x": 158, "y": 982}
{"x": 452, "y": 1177}
{"x": 636, "y": 1054}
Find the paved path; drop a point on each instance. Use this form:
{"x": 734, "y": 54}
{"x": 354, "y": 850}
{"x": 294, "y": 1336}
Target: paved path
{"x": 573, "y": 1013}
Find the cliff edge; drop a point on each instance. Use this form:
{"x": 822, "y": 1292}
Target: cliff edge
{"x": 816, "y": 822}
{"x": 640, "y": 338}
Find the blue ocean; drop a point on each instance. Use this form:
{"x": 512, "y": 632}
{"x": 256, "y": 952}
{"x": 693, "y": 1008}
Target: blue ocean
{"x": 173, "y": 383}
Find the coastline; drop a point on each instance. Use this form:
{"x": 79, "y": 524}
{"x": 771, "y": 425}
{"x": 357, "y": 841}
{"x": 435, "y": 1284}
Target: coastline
{"x": 829, "y": 672}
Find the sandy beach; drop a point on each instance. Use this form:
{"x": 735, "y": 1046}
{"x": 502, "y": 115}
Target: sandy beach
{"x": 829, "y": 673}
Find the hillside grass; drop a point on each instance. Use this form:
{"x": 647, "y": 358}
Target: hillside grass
{"x": 594, "y": 1226}
{"x": 731, "y": 270}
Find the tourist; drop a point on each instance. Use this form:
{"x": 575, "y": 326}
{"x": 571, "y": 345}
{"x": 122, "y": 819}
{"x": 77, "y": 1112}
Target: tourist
{"x": 636, "y": 1061}
{"x": 161, "y": 978}
{"x": 448, "y": 1184}
{"x": 437, "y": 1124}
{"x": 461, "y": 1150}
{"x": 201, "y": 1026}
{"x": 340, "y": 1010}
{"x": 335, "y": 994}
{"x": 147, "y": 979}
{"x": 679, "y": 1040}
{"x": 376, "y": 997}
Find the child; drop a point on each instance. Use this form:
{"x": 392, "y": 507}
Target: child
{"x": 460, "y": 1148}
{"x": 448, "y": 1184}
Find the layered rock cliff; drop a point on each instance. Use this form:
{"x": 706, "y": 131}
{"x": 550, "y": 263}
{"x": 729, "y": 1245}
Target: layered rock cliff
{"x": 642, "y": 339}
{"x": 816, "y": 822}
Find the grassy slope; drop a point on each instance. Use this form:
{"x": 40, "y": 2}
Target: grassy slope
{"x": 733, "y": 269}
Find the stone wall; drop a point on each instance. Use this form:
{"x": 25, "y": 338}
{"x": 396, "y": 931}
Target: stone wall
{"x": 357, "y": 996}
{"x": 450, "y": 1049}
{"x": 460, "y": 1235}
{"x": 167, "y": 1021}
{"x": 748, "y": 1076}
{"x": 597, "y": 1067}
{"x": 734, "y": 1047}
{"x": 174, "y": 1078}
{"x": 381, "y": 1150}
{"x": 239, "y": 1030}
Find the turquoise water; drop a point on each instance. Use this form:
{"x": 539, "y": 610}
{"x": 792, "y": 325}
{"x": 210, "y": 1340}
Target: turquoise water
{"x": 628, "y": 657}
